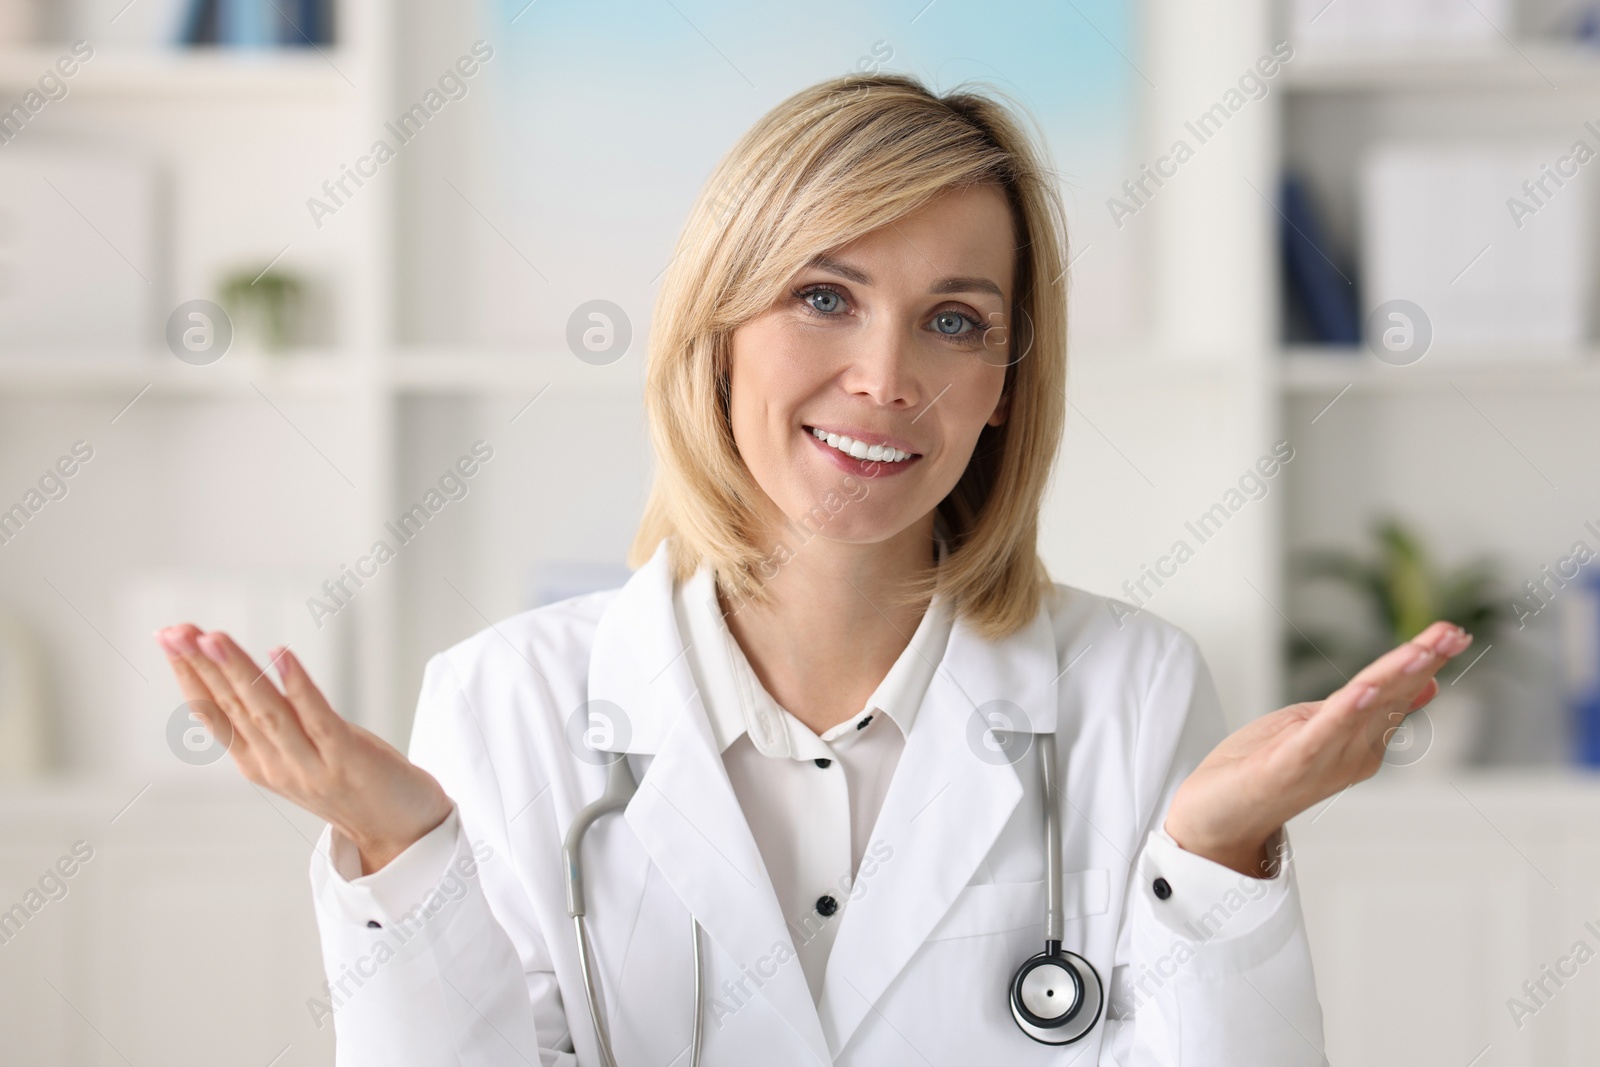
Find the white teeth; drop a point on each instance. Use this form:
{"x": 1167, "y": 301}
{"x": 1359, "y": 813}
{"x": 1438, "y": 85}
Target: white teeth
{"x": 860, "y": 449}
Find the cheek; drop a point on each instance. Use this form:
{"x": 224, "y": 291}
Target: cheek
{"x": 776, "y": 368}
{"x": 755, "y": 384}
{"x": 765, "y": 389}
{"x": 978, "y": 389}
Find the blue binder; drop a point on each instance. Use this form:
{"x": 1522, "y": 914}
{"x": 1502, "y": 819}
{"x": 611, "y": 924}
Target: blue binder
{"x": 1327, "y": 299}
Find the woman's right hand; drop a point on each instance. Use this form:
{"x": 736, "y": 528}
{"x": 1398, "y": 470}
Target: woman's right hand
{"x": 294, "y": 744}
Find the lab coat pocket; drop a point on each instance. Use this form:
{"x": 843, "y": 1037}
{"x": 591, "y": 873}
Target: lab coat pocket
{"x": 996, "y": 907}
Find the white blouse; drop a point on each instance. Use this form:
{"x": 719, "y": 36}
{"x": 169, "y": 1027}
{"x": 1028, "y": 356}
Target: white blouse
{"x": 811, "y": 800}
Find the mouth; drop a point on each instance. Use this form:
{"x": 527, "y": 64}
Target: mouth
{"x": 864, "y": 454}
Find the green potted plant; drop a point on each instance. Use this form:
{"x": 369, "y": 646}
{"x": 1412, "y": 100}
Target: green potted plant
{"x": 1400, "y": 590}
{"x": 265, "y": 305}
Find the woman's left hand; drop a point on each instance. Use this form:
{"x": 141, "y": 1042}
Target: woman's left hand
{"x": 1279, "y": 765}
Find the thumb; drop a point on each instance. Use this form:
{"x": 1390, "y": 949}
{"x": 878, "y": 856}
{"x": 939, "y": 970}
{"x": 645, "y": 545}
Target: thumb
{"x": 1426, "y": 695}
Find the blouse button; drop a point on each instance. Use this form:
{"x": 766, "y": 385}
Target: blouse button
{"x": 1162, "y": 888}
{"x": 826, "y": 905}
{"x": 823, "y": 762}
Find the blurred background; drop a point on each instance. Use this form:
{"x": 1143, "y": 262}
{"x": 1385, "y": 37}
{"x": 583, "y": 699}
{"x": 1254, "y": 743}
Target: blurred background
{"x": 271, "y": 270}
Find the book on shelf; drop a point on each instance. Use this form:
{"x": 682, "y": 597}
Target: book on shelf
{"x": 1320, "y": 296}
{"x": 258, "y": 23}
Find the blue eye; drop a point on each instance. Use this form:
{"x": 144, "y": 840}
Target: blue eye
{"x": 825, "y": 301}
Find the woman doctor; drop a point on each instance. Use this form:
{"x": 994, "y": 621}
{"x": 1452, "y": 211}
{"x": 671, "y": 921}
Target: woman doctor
{"x": 869, "y": 735}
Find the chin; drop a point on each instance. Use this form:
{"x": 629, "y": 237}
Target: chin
{"x": 856, "y": 521}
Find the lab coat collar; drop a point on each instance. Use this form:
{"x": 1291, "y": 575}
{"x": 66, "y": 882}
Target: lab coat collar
{"x": 952, "y": 793}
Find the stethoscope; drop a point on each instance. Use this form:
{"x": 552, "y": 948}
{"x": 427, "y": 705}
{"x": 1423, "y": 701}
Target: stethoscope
{"x": 1056, "y": 996}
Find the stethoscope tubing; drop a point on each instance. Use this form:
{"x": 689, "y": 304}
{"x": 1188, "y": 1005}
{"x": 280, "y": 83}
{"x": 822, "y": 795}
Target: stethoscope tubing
{"x": 620, "y": 786}
{"x": 1053, "y": 920}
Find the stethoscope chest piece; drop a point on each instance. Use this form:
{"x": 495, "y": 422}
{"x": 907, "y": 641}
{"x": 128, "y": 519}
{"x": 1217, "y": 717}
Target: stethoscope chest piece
{"x": 1056, "y": 996}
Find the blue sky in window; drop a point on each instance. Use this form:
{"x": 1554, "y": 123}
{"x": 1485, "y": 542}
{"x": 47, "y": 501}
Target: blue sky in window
{"x": 609, "y": 116}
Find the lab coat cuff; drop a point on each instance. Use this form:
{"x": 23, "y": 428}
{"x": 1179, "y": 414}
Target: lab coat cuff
{"x": 1226, "y": 920}
{"x": 403, "y": 890}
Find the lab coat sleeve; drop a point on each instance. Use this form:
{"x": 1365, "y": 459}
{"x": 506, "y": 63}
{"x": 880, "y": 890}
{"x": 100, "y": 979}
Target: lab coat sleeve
{"x": 421, "y": 970}
{"x": 1213, "y": 967}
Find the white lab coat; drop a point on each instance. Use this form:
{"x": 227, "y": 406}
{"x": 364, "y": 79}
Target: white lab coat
{"x": 485, "y": 970}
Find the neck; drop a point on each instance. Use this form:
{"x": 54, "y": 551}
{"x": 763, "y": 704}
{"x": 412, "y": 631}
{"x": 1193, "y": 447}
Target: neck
{"x": 831, "y": 630}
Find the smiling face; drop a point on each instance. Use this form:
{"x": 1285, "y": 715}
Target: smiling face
{"x": 879, "y": 366}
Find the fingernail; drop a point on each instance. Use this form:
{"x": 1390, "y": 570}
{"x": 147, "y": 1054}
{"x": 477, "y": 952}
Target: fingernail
{"x": 182, "y": 640}
{"x": 1422, "y": 659}
{"x": 212, "y": 648}
{"x": 162, "y": 640}
{"x": 1367, "y": 698}
{"x": 279, "y": 658}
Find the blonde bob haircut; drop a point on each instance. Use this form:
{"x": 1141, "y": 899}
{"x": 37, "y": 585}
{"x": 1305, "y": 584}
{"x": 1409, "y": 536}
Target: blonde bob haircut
{"x": 830, "y": 164}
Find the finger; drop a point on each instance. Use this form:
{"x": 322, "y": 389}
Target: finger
{"x": 1402, "y": 673}
{"x": 1405, "y": 669}
{"x": 200, "y": 684}
{"x": 1399, "y": 694}
{"x": 322, "y": 724}
{"x": 1423, "y": 654}
{"x": 185, "y": 638}
{"x": 197, "y": 696}
{"x": 267, "y": 708}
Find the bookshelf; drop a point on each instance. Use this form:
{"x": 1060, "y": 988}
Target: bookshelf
{"x": 237, "y": 139}
{"x": 1489, "y": 451}
{"x": 254, "y": 464}
{"x": 1510, "y": 420}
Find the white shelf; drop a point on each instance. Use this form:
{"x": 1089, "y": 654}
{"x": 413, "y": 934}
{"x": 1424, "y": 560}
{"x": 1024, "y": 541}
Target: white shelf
{"x": 472, "y": 370}
{"x": 404, "y": 371}
{"x": 95, "y": 375}
{"x": 275, "y": 75}
{"x": 1547, "y": 65}
{"x": 1518, "y": 784}
{"x": 1313, "y": 370}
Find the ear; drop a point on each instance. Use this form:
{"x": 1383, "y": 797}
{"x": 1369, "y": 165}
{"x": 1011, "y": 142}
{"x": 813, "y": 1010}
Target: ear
{"x": 1001, "y": 410}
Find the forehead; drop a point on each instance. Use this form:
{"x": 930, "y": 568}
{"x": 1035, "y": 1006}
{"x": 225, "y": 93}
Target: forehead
{"x": 961, "y": 232}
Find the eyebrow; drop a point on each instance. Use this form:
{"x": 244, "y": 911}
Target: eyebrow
{"x": 943, "y": 286}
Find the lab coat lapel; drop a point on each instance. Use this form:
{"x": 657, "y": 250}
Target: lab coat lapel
{"x": 951, "y": 796}
{"x": 685, "y": 812}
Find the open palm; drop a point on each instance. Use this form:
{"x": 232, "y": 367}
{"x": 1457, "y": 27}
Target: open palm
{"x": 1280, "y": 764}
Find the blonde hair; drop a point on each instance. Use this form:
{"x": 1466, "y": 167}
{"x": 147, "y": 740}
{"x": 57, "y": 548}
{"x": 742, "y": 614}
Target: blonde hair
{"x": 827, "y": 165}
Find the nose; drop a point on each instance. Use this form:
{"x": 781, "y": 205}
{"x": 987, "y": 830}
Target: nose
{"x": 882, "y": 367}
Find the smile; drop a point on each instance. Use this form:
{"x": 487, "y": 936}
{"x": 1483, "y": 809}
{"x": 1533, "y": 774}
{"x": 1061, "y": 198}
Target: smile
{"x": 860, "y": 449}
